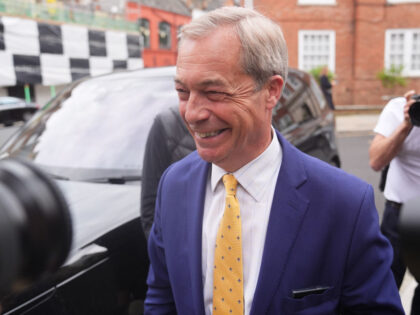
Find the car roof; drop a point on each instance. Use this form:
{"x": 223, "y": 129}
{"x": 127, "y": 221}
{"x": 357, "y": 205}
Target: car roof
{"x": 5, "y": 100}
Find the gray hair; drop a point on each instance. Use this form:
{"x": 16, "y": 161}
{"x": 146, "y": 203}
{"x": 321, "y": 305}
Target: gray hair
{"x": 263, "y": 48}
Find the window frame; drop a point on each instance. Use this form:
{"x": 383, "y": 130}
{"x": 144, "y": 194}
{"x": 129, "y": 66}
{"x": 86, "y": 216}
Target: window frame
{"x": 146, "y": 43}
{"x": 407, "y": 50}
{"x": 317, "y": 2}
{"x": 168, "y": 45}
{"x": 331, "y": 53}
{"x": 402, "y": 1}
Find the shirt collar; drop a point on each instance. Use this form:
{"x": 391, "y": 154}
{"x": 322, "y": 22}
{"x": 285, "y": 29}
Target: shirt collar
{"x": 254, "y": 175}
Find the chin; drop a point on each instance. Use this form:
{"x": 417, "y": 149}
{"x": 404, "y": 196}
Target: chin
{"x": 207, "y": 156}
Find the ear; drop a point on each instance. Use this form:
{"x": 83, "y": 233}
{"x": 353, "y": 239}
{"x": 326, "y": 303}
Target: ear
{"x": 274, "y": 87}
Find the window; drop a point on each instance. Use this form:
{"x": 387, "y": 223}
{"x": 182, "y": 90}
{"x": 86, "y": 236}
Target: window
{"x": 403, "y": 1}
{"x": 316, "y": 48}
{"x": 145, "y": 32}
{"x": 164, "y": 35}
{"x": 316, "y": 2}
{"x": 402, "y": 48}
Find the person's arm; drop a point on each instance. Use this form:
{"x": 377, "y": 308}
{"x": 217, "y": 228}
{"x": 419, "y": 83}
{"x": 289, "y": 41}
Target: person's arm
{"x": 156, "y": 159}
{"x": 383, "y": 149}
{"x": 369, "y": 286}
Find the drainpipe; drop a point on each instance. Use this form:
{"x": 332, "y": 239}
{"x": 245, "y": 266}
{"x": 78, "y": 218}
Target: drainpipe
{"x": 355, "y": 33}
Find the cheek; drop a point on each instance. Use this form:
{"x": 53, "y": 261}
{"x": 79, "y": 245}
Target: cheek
{"x": 247, "y": 114}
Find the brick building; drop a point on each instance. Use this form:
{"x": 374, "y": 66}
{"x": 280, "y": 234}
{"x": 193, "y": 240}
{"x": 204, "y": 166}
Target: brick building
{"x": 355, "y": 38}
{"x": 159, "y": 21}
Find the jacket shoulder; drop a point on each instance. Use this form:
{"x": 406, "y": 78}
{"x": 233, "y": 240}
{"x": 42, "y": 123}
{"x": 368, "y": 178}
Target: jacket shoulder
{"x": 185, "y": 169}
{"x": 333, "y": 180}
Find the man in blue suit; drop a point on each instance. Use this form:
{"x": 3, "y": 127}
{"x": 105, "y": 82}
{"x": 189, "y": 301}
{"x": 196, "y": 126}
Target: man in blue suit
{"x": 307, "y": 238}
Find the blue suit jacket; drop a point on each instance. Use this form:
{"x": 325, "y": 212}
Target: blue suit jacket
{"x": 323, "y": 232}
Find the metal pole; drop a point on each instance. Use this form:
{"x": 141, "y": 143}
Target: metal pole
{"x": 52, "y": 90}
{"x": 27, "y": 91}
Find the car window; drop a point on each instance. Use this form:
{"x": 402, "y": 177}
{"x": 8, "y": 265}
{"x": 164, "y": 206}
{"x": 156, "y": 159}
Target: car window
{"x": 97, "y": 129}
{"x": 284, "y": 122}
{"x": 318, "y": 93}
{"x": 302, "y": 113}
{"x": 302, "y": 110}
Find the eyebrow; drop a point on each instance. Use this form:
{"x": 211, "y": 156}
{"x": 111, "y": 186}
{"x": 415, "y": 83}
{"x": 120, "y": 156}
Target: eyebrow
{"x": 208, "y": 82}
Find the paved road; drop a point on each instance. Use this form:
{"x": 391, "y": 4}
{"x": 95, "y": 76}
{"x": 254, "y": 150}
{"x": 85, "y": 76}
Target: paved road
{"x": 354, "y": 154}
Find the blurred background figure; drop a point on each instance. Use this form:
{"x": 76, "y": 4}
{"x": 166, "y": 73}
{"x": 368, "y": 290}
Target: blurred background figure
{"x": 168, "y": 142}
{"x": 326, "y": 86}
{"x": 397, "y": 143}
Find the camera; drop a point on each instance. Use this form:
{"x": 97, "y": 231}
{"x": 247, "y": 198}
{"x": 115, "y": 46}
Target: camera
{"x": 414, "y": 110}
{"x": 35, "y": 225}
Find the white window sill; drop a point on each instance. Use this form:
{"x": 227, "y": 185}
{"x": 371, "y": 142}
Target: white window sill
{"x": 323, "y": 3}
{"x": 402, "y": 1}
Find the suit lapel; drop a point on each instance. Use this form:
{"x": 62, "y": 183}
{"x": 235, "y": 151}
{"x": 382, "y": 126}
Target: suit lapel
{"x": 287, "y": 212}
{"x": 197, "y": 189}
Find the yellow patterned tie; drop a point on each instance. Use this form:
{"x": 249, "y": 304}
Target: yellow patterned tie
{"x": 228, "y": 289}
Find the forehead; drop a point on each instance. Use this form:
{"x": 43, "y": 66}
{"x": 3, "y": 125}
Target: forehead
{"x": 213, "y": 59}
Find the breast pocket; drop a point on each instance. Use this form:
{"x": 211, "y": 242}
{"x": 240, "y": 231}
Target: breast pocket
{"x": 312, "y": 304}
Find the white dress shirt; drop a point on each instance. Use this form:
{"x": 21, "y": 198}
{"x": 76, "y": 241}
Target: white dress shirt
{"x": 256, "y": 184}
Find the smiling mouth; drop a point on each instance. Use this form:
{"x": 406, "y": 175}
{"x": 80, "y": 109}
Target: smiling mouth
{"x": 204, "y": 135}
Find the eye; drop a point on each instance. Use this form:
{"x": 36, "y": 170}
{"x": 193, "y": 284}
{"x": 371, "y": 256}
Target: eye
{"x": 183, "y": 95}
{"x": 215, "y": 96}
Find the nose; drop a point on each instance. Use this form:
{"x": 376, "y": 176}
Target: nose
{"x": 196, "y": 110}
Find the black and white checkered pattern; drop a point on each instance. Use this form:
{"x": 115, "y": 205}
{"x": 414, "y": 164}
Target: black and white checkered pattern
{"x": 48, "y": 54}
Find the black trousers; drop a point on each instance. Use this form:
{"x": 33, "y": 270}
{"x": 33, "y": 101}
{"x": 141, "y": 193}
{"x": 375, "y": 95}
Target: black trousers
{"x": 389, "y": 227}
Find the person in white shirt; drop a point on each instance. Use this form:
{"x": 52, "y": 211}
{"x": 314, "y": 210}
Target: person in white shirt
{"x": 397, "y": 144}
{"x": 248, "y": 224}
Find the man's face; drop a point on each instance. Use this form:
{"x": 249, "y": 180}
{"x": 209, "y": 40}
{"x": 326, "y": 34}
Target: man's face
{"x": 229, "y": 120}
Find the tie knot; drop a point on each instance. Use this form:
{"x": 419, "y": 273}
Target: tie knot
{"x": 230, "y": 183}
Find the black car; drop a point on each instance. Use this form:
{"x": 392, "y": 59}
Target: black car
{"x": 13, "y": 109}
{"x": 304, "y": 118}
{"x": 90, "y": 139}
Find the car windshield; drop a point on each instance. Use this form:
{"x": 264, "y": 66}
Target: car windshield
{"x": 97, "y": 129}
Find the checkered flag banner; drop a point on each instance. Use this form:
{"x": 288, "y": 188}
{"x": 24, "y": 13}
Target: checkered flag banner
{"x": 39, "y": 53}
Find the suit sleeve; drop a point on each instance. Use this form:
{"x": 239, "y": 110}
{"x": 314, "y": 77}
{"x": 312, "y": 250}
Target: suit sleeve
{"x": 159, "y": 297}
{"x": 369, "y": 286}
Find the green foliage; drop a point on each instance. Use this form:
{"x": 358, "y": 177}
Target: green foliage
{"x": 316, "y": 73}
{"x": 391, "y": 77}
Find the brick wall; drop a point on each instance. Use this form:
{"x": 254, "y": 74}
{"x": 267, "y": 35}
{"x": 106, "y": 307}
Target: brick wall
{"x": 359, "y": 27}
{"x": 155, "y": 56}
